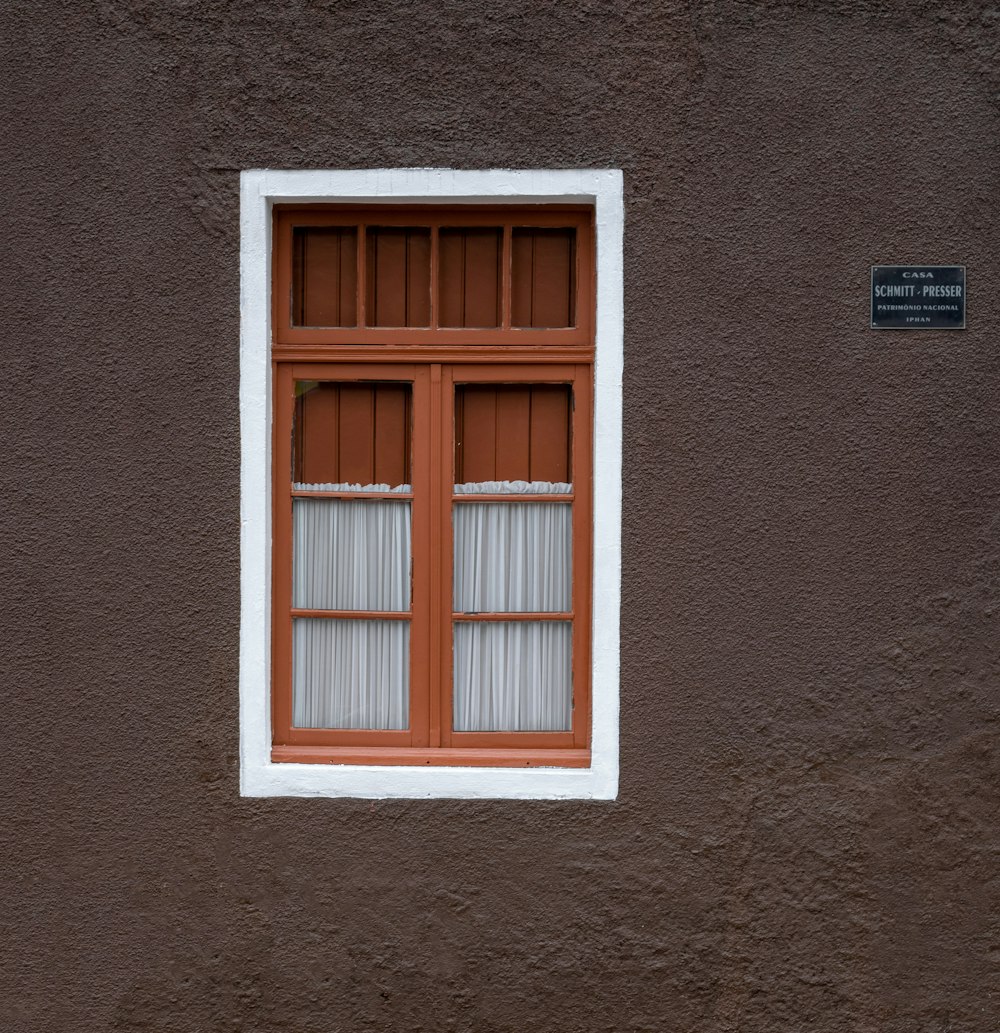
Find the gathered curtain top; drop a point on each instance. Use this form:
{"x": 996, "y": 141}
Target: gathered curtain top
{"x": 403, "y": 489}
{"x": 513, "y": 488}
{"x": 468, "y": 488}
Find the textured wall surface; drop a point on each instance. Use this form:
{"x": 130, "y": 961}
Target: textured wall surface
{"x": 807, "y": 833}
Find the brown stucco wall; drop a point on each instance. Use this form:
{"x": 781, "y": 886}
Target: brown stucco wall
{"x": 806, "y": 837}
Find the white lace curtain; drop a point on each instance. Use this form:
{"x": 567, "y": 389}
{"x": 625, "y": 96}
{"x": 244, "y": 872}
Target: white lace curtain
{"x": 512, "y": 676}
{"x": 351, "y": 555}
{"x": 350, "y": 673}
{"x": 512, "y": 557}
{"x": 509, "y": 557}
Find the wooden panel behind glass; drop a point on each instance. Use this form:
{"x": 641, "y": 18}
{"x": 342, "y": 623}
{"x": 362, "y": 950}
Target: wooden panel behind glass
{"x": 469, "y": 283}
{"x": 543, "y": 280}
{"x": 324, "y": 276}
{"x": 398, "y": 276}
{"x": 512, "y": 432}
{"x": 352, "y": 433}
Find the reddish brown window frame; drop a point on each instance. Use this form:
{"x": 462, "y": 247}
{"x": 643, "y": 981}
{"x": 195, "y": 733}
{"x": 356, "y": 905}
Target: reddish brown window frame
{"x": 433, "y": 359}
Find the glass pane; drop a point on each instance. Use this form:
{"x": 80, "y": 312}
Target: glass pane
{"x": 469, "y": 278}
{"x": 543, "y": 277}
{"x": 517, "y": 433}
{"x": 324, "y": 276}
{"x": 513, "y": 557}
{"x": 350, "y": 674}
{"x": 351, "y": 434}
{"x": 350, "y": 555}
{"x": 513, "y": 676}
{"x": 399, "y": 276}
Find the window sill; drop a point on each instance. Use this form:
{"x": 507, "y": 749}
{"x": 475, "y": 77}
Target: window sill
{"x": 425, "y": 781}
{"x": 408, "y": 756}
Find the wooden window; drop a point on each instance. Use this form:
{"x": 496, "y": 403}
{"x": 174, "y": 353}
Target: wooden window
{"x": 433, "y": 375}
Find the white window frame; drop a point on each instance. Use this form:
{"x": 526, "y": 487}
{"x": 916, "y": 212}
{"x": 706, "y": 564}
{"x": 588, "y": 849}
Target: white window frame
{"x": 260, "y": 189}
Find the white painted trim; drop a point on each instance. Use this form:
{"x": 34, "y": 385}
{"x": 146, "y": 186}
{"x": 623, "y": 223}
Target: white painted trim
{"x": 259, "y": 190}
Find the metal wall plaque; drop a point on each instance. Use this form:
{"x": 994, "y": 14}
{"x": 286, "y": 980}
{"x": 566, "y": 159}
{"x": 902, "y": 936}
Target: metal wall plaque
{"x": 918, "y": 297}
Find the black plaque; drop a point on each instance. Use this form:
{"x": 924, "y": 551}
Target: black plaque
{"x": 918, "y": 297}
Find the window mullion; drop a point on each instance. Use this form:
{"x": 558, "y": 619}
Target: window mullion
{"x": 422, "y": 640}
{"x": 439, "y": 606}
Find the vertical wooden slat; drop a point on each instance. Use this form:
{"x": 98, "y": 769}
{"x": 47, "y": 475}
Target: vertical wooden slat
{"x": 357, "y": 434}
{"x": 550, "y": 438}
{"x": 418, "y": 277}
{"x": 521, "y": 273}
{"x": 512, "y": 433}
{"x": 584, "y": 283}
{"x": 317, "y": 434}
{"x": 298, "y": 438}
{"x": 372, "y": 256}
{"x": 482, "y": 278}
{"x": 390, "y": 431}
{"x": 329, "y": 247}
{"x": 298, "y": 276}
{"x": 348, "y": 278}
{"x": 363, "y": 278}
{"x": 451, "y": 277}
{"x": 458, "y": 417}
{"x": 283, "y": 274}
{"x": 552, "y": 283}
{"x": 386, "y": 303}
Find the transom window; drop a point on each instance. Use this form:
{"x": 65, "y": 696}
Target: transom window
{"x": 460, "y": 276}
